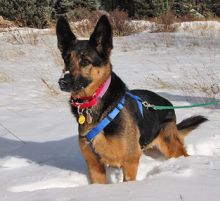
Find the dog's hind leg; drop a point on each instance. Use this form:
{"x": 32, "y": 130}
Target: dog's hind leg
{"x": 169, "y": 142}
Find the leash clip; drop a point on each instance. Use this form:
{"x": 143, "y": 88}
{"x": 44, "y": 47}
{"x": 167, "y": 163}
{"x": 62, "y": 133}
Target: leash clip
{"x": 146, "y": 104}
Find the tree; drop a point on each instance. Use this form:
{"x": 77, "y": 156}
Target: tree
{"x": 64, "y": 6}
{"x": 31, "y": 13}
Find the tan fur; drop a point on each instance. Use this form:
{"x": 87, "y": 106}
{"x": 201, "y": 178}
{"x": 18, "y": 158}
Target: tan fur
{"x": 170, "y": 142}
{"x": 96, "y": 169}
{"x": 99, "y": 76}
{"x": 122, "y": 151}
{"x": 96, "y": 74}
{"x": 183, "y": 133}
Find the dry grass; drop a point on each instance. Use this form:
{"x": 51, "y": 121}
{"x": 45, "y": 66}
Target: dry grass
{"x": 84, "y": 25}
{"x": 122, "y": 25}
{"x": 165, "y": 22}
{"x": 206, "y": 82}
{"x": 51, "y": 88}
{"x": 23, "y": 36}
{"x": 5, "y": 23}
{"x": 82, "y": 28}
{"x": 203, "y": 83}
{"x": 4, "y": 77}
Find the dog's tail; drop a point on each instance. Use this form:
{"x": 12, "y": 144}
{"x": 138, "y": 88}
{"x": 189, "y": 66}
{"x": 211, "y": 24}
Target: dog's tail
{"x": 189, "y": 124}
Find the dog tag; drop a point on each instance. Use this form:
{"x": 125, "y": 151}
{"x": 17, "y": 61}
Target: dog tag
{"x": 81, "y": 119}
{"x": 89, "y": 118}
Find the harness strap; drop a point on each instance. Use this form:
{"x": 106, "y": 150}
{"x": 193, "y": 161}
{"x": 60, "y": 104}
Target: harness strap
{"x": 139, "y": 102}
{"x": 95, "y": 131}
{"x": 110, "y": 117}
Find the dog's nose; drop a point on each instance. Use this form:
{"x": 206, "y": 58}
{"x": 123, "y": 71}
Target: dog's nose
{"x": 63, "y": 84}
{"x": 65, "y": 81}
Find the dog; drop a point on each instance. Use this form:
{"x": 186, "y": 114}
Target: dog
{"x": 99, "y": 96}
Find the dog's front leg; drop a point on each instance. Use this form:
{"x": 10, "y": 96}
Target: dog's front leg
{"x": 130, "y": 169}
{"x": 97, "y": 172}
{"x": 111, "y": 150}
{"x": 117, "y": 152}
{"x": 96, "y": 169}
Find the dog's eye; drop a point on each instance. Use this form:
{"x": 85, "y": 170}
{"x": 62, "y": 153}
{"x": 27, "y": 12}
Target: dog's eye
{"x": 85, "y": 62}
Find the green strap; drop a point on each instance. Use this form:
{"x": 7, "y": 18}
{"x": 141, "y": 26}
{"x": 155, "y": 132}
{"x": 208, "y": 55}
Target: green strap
{"x": 157, "y": 107}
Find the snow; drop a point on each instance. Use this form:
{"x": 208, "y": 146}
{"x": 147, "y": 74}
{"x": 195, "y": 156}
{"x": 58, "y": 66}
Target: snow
{"x": 147, "y": 26}
{"x": 197, "y": 25}
{"x": 40, "y": 159}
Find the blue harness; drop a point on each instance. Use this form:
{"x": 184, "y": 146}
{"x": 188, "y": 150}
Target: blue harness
{"x": 110, "y": 117}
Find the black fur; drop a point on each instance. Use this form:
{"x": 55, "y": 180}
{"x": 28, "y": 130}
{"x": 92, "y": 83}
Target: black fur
{"x": 101, "y": 38}
{"x": 97, "y": 47}
{"x": 149, "y": 126}
{"x": 108, "y": 102}
{"x": 70, "y": 83}
{"x": 96, "y": 51}
{"x": 65, "y": 36}
{"x": 191, "y": 122}
{"x": 153, "y": 120}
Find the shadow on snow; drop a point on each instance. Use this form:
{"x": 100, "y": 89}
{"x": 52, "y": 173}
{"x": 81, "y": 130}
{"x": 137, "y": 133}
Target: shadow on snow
{"x": 63, "y": 153}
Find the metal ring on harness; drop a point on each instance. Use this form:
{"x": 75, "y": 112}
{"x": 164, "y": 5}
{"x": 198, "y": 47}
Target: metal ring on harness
{"x": 146, "y": 104}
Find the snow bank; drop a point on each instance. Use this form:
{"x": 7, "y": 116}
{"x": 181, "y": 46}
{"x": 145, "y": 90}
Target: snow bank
{"x": 40, "y": 158}
{"x": 197, "y": 26}
{"x": 143, "y": 25}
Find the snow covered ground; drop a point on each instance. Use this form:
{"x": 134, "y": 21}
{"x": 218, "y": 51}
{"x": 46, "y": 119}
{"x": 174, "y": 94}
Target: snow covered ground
{"x": 40, "y": 158}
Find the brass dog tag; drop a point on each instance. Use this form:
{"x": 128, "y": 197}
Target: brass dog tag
{"x": 81, "y": 119}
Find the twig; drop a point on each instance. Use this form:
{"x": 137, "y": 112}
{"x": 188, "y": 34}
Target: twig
{"x": 12, "y": 133}
{"x": 52, "y": 90}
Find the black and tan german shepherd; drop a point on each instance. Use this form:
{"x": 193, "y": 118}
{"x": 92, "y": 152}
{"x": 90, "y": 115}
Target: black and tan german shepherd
{"x": 120, "y": 144}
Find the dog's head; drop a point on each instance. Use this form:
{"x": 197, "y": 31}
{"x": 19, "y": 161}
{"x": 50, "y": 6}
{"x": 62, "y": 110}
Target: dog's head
{"x": 87, "y": 63}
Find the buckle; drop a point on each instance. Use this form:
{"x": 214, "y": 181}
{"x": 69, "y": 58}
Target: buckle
{"x": 146, "y": 104}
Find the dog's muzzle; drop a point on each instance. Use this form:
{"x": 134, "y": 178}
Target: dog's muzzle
{"x": 69, "y": 83}
{"x": 65, "y": 81}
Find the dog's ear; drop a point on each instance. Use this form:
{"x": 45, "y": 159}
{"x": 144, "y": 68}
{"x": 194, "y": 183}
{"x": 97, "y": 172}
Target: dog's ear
{"x": 101, "y": 37}
{"x": 65, "y": 36}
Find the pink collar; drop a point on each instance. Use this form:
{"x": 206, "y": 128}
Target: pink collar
{"x": 87, "y": 102}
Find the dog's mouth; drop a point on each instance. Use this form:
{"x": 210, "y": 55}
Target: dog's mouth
{"x": 68, "y": 83}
